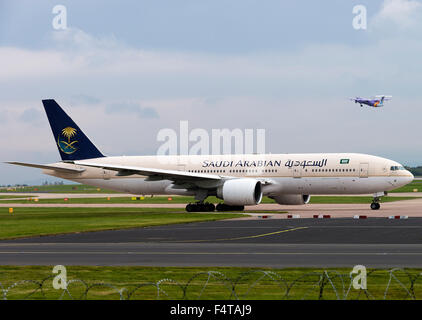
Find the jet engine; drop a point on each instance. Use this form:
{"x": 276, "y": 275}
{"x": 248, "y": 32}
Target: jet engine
{"x": 292, "y": 199}
{"x": 240, "y": 192}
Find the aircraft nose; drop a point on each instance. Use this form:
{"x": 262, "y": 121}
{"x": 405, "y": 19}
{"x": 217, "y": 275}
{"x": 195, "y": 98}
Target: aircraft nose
{"x": 409, "y": 176}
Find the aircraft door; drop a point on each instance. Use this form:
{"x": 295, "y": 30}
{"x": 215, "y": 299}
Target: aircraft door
{"x": 363, "y": 170}
{"x": 297, "y": 172}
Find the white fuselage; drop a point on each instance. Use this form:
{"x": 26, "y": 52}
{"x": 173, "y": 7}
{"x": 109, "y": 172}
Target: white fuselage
{"x": 314, "y": 173}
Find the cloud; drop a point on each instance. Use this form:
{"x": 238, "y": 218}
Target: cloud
{"x": 30, "y": 115}
{"x": 79, "y": 59}
{"x": 79, "y": 40}
{"x": 83, "y": 99}
{"x": 397, "y": 16}
{"x": 131, "y": 108}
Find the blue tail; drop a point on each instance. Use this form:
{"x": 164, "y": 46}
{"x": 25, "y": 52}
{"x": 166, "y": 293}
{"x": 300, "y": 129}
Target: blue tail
{"x": 72, "y": 143}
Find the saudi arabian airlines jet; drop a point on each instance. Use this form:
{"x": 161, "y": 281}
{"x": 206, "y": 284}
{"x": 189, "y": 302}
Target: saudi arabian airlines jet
{"x": 239, "y": 180}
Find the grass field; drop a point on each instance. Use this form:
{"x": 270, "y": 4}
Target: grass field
{"x": 11, "y": 196}
{"x": 207, "y": 283}
{"x": 26, "y": 222}
{"x": 65, "y": 188}
{"x": 415, "y": 184}
{"x": 185, "y": 200}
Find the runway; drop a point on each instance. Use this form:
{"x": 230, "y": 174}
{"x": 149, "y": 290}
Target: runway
{"x": 278, "y": 243}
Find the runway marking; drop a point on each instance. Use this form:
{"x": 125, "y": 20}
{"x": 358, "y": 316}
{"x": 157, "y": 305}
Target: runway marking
{"x": 246, "y": 237}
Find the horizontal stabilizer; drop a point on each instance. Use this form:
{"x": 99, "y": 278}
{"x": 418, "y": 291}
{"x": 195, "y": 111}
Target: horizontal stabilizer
{"x": 48, "y": 167}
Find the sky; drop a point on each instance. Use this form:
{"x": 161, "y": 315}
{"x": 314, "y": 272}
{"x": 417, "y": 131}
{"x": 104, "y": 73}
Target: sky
{"x": 124, "y": 70}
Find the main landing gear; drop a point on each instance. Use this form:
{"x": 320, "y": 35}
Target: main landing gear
{"x": 226, "y": 207}
{"x": 209, "y": 207}
{"x": 200, "y": 207}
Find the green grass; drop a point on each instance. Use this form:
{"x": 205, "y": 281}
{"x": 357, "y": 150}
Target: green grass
{"x": 12, "y": 197}
{"x": 114, "y": 200}
{"x": 184, "y": 200}
{"x": 415, "y": 184}
{"x": 249, "y": 283}
{"x": 65, "y": 188}
{"x": 26, "y": 222}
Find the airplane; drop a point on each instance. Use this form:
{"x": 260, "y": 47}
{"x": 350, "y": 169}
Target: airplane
{"x": 238, "y": 179}
{"x": 376, "y": 102}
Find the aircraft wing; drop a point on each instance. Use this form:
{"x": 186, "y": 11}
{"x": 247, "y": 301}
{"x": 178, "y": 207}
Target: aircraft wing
{"x": 47, "y": 167}
{"x": 154, "y": 174}
{"x": 384, "y": 96}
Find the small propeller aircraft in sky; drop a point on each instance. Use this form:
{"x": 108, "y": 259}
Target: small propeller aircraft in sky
{"x": 376, "y": 102}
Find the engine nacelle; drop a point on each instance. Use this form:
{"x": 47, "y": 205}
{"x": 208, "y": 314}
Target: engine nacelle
{"x": 292, "y": 199}
{"x": 240, "y": 192}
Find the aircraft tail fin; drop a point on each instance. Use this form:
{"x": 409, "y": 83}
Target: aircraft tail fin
{"x": 72, "y": 143}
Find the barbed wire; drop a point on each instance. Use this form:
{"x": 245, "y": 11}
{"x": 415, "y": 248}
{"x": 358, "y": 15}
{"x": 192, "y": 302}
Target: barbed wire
{"x": 396, "y": 283}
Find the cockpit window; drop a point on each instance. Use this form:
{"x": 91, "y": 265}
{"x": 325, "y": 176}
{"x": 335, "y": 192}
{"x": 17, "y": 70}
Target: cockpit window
{"x": 395, "y": 168}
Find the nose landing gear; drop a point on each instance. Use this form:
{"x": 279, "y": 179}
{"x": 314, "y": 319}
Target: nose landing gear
{"x": 375, "y": 205}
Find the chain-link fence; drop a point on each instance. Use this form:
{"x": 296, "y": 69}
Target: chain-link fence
{"x": 253, "y": 284}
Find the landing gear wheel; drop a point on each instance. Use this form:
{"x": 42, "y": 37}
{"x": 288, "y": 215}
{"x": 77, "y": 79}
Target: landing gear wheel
{"x": 226, "y": 207}
{"x": 200, "y": 207}
{"x": 210, "y": 207}
{"x": 375, "y": 206}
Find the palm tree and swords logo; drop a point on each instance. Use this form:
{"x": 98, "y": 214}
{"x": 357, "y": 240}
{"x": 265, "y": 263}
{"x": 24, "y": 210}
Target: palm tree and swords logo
{"x": 68, "y": 146}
